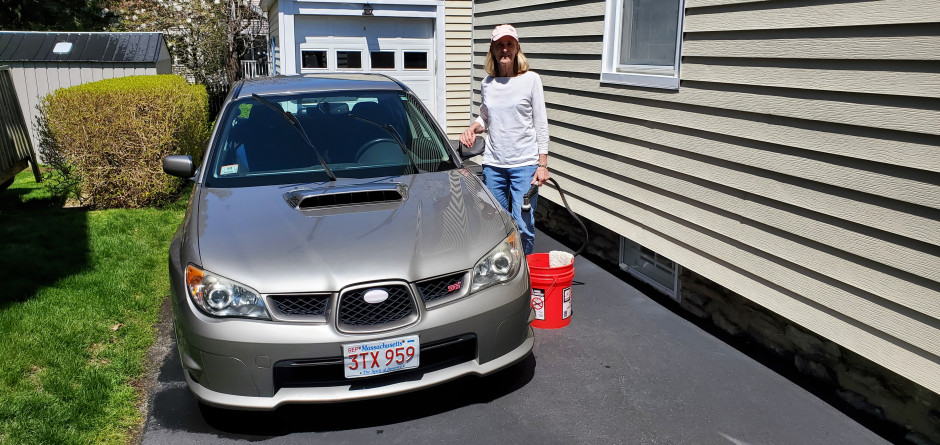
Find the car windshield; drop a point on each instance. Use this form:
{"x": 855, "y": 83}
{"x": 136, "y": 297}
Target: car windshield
{"x": 355, "y": 132}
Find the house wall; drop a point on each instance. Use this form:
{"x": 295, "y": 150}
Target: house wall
{"x": 797, "y": 165}
{"x": 34, "y": 80}
{"x": 458, "y": 53}
{"x": 274, "y": 30}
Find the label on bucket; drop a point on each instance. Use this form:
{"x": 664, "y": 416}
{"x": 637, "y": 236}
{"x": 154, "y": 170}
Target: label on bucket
{"x": 566, "y": 306}
{"x": 538, "y": 303}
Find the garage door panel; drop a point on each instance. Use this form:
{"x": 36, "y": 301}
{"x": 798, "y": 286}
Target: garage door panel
{"x": 399, "y": 47}
{"x": 421, "y": 86}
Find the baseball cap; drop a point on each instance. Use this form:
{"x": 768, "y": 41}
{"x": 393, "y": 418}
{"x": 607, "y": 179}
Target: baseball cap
{"x": 503, "y": 31}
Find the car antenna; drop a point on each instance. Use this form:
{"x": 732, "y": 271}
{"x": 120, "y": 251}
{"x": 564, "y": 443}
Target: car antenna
{"x": 300, "y": 129}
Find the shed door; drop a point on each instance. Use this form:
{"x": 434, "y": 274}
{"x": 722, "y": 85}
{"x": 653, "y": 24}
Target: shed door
{"x": 400, "y": 47}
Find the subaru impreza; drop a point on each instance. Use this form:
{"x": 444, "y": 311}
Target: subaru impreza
{"x": 337, "y": 248}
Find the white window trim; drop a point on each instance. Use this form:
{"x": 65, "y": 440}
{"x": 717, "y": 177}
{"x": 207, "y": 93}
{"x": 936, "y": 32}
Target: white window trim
{"x": 609, "y": 58}
{"x": 300, "y": 61}
{"x": 362, "y": 59}
{"x": 427, "y": 56}
{"x": 396, "y": 66}
{"x": 674, "y": 293}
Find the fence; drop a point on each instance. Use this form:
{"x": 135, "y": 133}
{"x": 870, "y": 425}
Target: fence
{"x": 16, "y": 149}
{"x": 217, "y": 95}
{"x": 253, "y": 68}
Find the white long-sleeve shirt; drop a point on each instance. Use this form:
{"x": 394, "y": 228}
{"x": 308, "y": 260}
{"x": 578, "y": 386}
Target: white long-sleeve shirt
{"x": 513, "y": 115}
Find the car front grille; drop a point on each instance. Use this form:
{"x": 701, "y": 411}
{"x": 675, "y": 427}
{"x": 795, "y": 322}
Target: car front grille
{"x": 398, "y": 309}
{"x": 329, "y": 371}
{"x": 440, "y": 287}
{"x": 306, "y": 305}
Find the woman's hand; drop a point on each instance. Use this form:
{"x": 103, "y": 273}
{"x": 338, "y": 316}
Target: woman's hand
{"x": 541, "y": 175}
{"x": 469, "y": 136}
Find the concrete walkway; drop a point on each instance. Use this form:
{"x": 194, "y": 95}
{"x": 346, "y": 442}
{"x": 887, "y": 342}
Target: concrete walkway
{"x": 625, "y": 371}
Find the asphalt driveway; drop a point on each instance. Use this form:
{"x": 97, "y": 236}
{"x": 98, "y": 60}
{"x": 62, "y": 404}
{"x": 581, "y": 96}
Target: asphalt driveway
{"x": 626, "y": 370}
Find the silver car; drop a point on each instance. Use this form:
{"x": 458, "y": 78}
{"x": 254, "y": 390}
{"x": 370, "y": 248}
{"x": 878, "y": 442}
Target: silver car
{"x": 336, "y": 248}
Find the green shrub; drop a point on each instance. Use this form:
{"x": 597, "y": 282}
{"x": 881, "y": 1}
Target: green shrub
{"x": 105, "y": 140}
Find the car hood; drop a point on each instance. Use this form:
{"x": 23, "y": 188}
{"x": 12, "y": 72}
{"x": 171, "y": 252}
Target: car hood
{"x": 445, "y": 222}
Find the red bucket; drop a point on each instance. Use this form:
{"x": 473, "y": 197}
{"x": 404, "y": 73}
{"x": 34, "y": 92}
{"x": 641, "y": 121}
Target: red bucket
{"x": 551, "y": 292}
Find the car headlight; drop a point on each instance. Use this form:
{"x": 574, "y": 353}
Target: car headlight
{"x": 499, "y": 265}
{"x": 222, "y": 297}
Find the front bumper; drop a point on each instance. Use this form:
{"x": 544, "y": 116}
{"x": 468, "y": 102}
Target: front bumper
{"x": 231, "y": 363}
{"x": 345, "y": 393}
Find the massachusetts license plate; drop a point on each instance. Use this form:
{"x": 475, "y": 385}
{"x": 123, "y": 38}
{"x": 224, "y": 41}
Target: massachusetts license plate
{"x": 380, "y": 356}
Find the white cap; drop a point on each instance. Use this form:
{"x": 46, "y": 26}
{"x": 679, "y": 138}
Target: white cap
{"x": 503, "y": 31}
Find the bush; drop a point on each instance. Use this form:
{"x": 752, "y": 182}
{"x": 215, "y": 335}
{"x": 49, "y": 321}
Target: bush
{"x": 105, "y": 140}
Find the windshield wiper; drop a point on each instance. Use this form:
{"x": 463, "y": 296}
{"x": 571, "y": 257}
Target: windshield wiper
{"x": 300, "y": 129}
{"x": 390, "y": 129}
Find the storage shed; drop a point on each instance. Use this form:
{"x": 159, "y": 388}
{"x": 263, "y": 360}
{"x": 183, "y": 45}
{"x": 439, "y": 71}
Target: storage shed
{"x": 42, "y": 62}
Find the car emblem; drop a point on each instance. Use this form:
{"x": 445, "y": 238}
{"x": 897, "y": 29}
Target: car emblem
{"x": 375, "y": 296}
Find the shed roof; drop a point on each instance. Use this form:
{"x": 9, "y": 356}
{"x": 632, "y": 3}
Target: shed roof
{"x": 108, "y": 47}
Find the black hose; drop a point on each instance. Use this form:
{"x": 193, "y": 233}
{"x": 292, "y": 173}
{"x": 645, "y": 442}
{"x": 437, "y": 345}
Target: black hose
{"x": 526, "y": 207}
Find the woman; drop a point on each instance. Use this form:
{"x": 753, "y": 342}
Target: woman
{"x": 513, "y": 115}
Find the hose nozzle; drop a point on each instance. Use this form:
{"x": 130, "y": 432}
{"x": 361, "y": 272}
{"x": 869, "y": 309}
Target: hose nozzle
{"x": 528, "y": 195}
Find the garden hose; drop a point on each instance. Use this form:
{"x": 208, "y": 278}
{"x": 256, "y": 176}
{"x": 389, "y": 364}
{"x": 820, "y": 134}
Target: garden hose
{"x": 526, "y": 207}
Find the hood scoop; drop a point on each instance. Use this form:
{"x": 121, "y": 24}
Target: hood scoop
{"x": 309, "y": 199}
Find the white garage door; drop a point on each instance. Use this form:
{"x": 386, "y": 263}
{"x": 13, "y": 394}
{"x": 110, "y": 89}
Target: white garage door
{"x": 400, "y": 47}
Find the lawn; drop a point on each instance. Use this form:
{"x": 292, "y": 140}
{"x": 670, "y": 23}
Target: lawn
{"x": 81, "y": 292}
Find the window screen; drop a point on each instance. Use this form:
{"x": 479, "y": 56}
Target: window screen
{"x": 648, "y": 35}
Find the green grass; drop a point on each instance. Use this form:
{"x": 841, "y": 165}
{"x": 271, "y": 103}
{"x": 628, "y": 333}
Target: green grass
{"x": 81, "y": 292}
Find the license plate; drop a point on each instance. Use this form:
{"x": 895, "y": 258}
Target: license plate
{"x": 380, "y": 356}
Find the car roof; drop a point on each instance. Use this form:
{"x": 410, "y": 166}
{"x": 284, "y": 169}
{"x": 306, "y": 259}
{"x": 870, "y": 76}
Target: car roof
{"x": 315, "y": 83}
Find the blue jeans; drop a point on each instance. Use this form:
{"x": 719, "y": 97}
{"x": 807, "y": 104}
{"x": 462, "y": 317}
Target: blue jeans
{"x": 508, "y": 185}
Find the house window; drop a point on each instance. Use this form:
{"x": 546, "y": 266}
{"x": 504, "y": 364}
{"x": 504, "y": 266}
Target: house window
{"x": 642, "y": 42}
{"x": 349, "y": 59}
{"x": 416, "y": 60}
{"x": 313, "y": 59}
{"x": 382, "y": 59}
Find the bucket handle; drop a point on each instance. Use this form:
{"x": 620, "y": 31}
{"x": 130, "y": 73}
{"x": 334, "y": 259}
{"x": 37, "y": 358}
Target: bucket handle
{"x": 554, "y": 280}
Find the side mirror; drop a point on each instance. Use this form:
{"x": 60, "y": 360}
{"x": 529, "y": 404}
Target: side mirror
{"x": 479, "y": 144}
{"x": 179, "y": 165}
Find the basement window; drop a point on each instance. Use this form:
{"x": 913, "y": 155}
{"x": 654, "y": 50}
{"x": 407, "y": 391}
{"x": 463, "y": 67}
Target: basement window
{"x": 650, "y": 267}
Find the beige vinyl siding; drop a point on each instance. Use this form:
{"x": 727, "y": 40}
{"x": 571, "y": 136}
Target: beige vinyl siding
{"x": 458, "y": 43}
{"x": 798, "y": 164}
{"x": 838, "y": 48}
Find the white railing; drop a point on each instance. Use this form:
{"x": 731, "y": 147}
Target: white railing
{"x": 251, "y": 69}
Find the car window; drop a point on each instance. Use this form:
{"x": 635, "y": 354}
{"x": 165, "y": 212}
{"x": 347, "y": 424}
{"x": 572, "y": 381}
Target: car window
{"x": 256, "y": 145}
